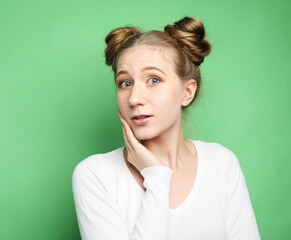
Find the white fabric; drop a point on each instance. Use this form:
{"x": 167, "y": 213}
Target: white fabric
{"x": 111, "y": 205}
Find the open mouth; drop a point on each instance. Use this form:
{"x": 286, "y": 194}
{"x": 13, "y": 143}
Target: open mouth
{"x": 141, "y": 117}
{"x": 140, "y": 120}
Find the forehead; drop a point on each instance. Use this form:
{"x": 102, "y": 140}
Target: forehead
{"x": 138, "y": 57}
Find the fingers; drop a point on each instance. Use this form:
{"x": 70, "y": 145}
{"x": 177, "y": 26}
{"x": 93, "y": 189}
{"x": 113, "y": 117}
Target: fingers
{"x": 127, "y": 143}
{"x": 119, "y": 114}
{"x": 130, "y": 136}
{"x": 126, "y": 132}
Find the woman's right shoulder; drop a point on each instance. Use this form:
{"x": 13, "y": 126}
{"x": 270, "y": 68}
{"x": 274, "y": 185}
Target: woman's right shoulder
{"x": 98, "y": 164}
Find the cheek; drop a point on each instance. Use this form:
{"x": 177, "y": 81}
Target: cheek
{"x": 168, "y": 102}
{"x": 121, "y": 102}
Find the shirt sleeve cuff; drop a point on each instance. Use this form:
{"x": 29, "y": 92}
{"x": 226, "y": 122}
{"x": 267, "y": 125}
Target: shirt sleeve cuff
{"x": 157, "y": 176}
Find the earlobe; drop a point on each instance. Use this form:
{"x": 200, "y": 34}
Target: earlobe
{"x": 189, "y": 93}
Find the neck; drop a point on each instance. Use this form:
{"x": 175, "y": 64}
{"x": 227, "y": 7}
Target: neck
{"x": 170, "y": 147}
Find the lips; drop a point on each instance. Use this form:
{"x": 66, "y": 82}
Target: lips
{"x": 141, "y": 119}
{"x": 141, "y": 116}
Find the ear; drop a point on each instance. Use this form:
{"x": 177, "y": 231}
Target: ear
{"x": 189, "y": 92}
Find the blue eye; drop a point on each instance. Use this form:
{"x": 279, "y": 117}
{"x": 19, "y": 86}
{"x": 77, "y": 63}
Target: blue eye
{"x": 155, "y": 80}
{"x": 121, "y": 84}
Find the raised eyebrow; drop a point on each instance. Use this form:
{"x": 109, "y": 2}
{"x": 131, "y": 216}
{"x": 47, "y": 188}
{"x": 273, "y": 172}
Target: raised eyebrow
{"x": 121, "y": 72}
{"x": 144, "y": 69}
{"x": 153, "y": 68}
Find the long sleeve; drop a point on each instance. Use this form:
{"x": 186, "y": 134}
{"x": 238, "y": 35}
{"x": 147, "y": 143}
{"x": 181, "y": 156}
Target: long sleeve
{"x": 153, "y": 222}
{"x": 240, "y": 218}
{"x": 98, "y": 215}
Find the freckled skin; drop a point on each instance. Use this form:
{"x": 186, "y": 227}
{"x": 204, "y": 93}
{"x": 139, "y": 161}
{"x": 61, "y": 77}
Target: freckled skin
{"x": 162, "y": 99}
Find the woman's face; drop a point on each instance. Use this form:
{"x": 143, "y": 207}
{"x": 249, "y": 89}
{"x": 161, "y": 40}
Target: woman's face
{"x": 148, "y": 85}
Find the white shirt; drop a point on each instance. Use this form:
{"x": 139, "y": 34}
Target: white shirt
{"x": 110, "y": 204}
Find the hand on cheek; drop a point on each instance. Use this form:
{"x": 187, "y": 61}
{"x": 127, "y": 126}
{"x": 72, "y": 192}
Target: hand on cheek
{"x": 137, "y": 154}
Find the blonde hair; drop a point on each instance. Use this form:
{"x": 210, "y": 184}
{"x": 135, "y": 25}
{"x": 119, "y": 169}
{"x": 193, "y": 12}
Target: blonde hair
{"x": 186, "y": 37}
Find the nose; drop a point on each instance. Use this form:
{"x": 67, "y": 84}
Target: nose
{"x": 137, "y": 95}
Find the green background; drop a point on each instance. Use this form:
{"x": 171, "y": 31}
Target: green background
{"x": 58, "y": 104}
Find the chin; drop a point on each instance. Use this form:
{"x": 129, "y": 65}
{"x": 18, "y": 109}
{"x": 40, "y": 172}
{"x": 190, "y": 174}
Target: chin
{"x": 145, "y": 134}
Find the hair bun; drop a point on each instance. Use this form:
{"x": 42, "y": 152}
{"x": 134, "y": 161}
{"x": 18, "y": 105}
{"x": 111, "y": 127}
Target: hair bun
{"x": 190, "y": 33}
{"x": 115, "y": 39}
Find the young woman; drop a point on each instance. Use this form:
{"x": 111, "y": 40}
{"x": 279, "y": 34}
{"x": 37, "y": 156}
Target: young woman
{"x": 161, "y": 186}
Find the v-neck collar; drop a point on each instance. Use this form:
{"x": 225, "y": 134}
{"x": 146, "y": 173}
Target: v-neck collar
{"x": 194, "y": 189}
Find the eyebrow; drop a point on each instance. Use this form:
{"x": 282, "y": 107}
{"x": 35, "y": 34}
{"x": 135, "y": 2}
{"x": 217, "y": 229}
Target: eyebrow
{"x": 144, "y": 69}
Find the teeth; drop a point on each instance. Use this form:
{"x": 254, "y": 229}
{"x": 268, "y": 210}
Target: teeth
{"x": 141, "y": 117}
